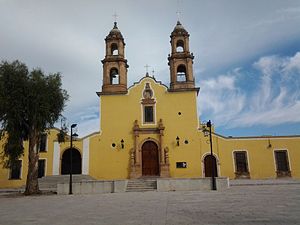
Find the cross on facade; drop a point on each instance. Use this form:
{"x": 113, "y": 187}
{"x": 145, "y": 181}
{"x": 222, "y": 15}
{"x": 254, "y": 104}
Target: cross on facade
{"x": 147, "y": 67}
{"x": 115, "y": 17}
{"x": 153, "y": 72}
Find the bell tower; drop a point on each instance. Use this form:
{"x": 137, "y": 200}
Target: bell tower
{"x": 181, "y": 61}
{"x": 114, "y": 64}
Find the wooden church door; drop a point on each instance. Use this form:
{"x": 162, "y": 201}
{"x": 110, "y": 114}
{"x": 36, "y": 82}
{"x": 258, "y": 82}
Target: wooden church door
{"x": 208, "y": 160}
{"x": 150, "y": 159}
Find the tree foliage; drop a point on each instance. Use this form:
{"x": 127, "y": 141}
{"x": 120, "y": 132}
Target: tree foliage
{"x": 30, "y": 103}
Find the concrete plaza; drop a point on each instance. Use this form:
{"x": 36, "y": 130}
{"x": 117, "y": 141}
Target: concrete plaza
{"x": 254, "y": 204}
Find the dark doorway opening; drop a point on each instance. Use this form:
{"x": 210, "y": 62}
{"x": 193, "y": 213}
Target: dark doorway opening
{"x": 208, "y": 160}
{"x": 66, "y": 161}
{"x": 41, "y": 168}
{"x": 150, "y": 159}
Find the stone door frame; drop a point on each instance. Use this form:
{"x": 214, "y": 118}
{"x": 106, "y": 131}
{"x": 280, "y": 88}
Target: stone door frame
{"x": 140, "y": 137}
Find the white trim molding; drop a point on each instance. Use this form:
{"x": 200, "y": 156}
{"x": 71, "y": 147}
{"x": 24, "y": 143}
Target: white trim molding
{"x": 56, "y": 158}
{"x": 85, "y": 156}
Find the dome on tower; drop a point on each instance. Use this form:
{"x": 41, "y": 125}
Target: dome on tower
{"x": 179, "y": 30}
{"x": 115, "y": 33}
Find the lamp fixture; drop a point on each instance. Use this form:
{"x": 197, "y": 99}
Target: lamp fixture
{"x": 122, "y": 143}
{"x": 75, "y": 135}
{"x": 269, "y": 144}
{"x": 205, "y": 130}
{"x": 177, "y": 140}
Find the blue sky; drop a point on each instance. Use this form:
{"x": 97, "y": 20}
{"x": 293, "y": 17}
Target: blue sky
{"x": 247, "y": 54}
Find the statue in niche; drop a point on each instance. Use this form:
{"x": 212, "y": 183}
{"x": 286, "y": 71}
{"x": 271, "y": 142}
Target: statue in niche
{"x": 148, "y": 93}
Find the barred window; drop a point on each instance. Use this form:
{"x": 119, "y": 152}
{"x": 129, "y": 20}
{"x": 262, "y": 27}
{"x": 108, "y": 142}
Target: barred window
{"x": 282, "y": 161}
{"x": 241, "y": 162}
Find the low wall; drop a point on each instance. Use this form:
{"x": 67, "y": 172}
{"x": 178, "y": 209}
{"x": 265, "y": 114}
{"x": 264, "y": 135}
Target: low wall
{"x": 190, "y": 184}
{"x": 93, "y": 187}
{"x": 163, "y": 184}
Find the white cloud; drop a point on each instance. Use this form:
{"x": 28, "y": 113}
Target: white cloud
{"x": 274, "y": 100}
{"x": 88, "y": 126}
{"x": 220, "y": 97}
{"x": 293, "y": 64}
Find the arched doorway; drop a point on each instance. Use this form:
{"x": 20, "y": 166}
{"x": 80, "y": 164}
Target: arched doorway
{"x": 207, "y": 166}
{"x": 66, "y": 161}
{"x": 150, "y": 159}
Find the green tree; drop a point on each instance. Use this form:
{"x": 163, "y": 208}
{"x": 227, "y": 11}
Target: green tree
{"x": 30, "y": 103}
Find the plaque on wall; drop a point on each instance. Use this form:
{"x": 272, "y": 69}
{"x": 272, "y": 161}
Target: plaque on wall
{"x": 181, "y": 165}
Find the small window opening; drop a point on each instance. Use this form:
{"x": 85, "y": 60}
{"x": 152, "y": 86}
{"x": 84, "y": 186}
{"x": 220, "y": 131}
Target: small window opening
{"x": 114, "y": 49}
{"x": 148, "y": 114}
{"x": 114, "y": 76}
{"x": 179, "y": 46}
{"x": 15, "y": 170}
{"x": 181, "y": 73}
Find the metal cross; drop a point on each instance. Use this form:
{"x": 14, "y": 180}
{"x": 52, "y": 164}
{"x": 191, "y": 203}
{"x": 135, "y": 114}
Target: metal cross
{"x": 153, "y": 72}
{"x": 178, "y": 14}
{"x": 115, "y": 16}
{"x": 146, "y": 66}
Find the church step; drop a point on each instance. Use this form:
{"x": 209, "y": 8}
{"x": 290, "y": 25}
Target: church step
{"x": 140, "y": 190}
{"x": 143, "y": 182}
{"x": 140, "y": 185}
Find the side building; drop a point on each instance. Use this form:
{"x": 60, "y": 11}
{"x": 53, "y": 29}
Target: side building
{"x": 150, "y": 129}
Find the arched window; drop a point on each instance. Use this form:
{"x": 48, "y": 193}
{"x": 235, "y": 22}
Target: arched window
{"x": 114, "y": 76}
{"x": 179, "y": 46}
{"x": 181, "y": 73}
{"x": 114, "y": 49}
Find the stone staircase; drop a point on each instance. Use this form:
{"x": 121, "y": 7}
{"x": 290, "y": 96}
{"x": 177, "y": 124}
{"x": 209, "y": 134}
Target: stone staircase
{"x": 49, "y": 183}
{"x": 141, "y": 185}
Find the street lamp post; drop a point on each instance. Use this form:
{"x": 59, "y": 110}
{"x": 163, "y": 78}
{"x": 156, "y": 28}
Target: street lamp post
{"x": 213, "y": 178}
{"x": 71, "y": 159}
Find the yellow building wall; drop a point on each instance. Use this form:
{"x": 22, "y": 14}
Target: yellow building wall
{"x": 117, "y": 116}
{"x": 118, "y": 113}
{"x": 261, "y": 158}
{"x": 6, "y": 182}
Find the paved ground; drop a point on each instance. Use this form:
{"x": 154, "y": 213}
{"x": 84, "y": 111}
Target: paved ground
{"x": 254, "y": 204}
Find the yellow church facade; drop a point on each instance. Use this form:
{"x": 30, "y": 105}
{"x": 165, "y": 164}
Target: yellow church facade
{"x": 153, "y": 130}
